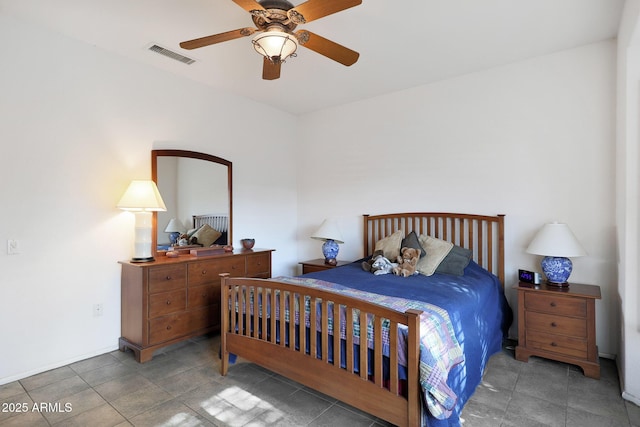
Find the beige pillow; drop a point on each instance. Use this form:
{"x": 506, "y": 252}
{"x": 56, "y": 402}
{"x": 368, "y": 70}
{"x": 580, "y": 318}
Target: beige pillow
{"x": 436, "y": 250}
{"x": 206, "y": 235}
{"x": 390, "y": 245}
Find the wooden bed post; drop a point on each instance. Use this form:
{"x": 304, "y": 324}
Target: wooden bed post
{"x": 501, "y": 249}
{"x": 365, "y": 235}
{"x": 224, "y": 324}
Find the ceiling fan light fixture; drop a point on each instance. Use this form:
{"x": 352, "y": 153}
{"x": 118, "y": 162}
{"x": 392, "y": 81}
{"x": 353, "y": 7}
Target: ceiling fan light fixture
{"x": 275, "y": 45}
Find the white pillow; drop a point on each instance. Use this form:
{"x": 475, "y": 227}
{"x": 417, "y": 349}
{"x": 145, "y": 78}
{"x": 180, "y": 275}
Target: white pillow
{"x": 436, "y": 249}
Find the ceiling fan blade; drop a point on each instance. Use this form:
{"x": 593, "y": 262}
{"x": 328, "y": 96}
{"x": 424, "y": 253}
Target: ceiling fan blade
{"x": 217, "y": 38}
{"x": 316, "y": 9}
{"x": 249, "y": 5}
{"x": 270, "y": 70}
{"x": 331, "y": 50}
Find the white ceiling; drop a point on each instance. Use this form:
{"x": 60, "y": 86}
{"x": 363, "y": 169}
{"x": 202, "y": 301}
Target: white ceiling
{"x": 401, "y": 43}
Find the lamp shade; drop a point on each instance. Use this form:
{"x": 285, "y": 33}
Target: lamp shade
{"x": 556, "y": 239}
{"x": 275, "y": 45}
{"x": 142, "y": 195}
{"x": 174, "y": 226}
{"x": 328, "y": 231}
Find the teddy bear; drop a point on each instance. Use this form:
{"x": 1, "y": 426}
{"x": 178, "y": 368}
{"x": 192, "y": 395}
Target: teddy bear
{"x": 407, "y": 261}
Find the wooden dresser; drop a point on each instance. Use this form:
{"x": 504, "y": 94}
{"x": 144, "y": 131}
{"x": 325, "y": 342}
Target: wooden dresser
{"x": 173, "y": 299}
{"x": 559, "y": 324}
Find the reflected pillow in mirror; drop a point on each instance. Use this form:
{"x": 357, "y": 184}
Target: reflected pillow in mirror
{"x": 206, "y": 235}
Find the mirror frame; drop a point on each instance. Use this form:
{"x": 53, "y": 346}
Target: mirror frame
{"x": 192, "y": 155}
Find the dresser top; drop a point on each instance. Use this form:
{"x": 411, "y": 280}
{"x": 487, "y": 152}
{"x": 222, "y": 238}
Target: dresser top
{"x": 574, "y": 289}
{"x": 162, "y": 259}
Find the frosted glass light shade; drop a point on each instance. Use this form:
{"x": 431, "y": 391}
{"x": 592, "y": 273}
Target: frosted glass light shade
{"x": 275, "y": 45}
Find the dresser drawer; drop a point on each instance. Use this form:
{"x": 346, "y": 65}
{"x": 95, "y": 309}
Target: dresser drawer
{"x": 552, "y": 324}
{"x": 200, "y": 296}
{"x": 204, "y": 318}
{"x": 167, "y": 277}
{"x": 167, "y": 327}
{"x": 164, "y": 303}
{"x": 208, "y": 272}
{"x": 560, "y": 344}
{"x": 565, "y": 306}
{"x": 259, "y": 265}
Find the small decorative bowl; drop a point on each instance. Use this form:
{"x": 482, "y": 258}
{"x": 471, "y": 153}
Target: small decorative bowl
{"x": 248, "y": 243}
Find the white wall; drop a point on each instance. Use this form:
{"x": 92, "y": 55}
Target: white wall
{"x": 533, "y": 140}
{"x": 76, "y": 125}
{"x": 628, "y": 198}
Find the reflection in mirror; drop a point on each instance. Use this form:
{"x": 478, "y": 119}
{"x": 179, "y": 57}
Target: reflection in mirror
{"x": 191, "y": 184}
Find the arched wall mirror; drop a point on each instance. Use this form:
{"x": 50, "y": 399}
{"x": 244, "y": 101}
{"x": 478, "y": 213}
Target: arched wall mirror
{"x": 196, "y": 188}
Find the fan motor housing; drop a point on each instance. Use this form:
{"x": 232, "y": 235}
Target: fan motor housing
{"x": 275, "y": 12}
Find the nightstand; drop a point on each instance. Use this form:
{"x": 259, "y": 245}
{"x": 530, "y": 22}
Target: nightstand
{"x": 559, "y": 324}
{"x": 314, "y": 265}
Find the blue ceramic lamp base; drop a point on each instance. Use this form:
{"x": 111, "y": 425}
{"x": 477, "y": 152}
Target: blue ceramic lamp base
{"x": 557, "y": 270}
{"x": 330, "y": 251}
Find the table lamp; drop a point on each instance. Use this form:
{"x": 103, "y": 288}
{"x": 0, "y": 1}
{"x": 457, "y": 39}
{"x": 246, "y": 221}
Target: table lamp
{"x": 330, "y": 234}
{"x": 175, "y": 229}
{"x": 142, "y": 198}
{"x": 556, "y": 242}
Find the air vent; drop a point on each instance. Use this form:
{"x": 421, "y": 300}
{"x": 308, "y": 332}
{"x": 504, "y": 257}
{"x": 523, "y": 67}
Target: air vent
{"x": 171, "y": 54}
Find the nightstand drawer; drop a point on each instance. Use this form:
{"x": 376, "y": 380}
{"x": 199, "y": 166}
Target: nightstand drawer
{"x": 565, "y": 306}
{"x": 557, "y": 343}
{"x": 551, "y": 324}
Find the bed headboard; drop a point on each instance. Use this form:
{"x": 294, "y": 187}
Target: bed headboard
{"x": 482, "y": 234}
{"x": 218, "y": 221}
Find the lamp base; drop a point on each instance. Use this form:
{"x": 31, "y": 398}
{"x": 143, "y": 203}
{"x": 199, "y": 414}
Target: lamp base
{"x": 330, "y": 251}
{"x": 557, "y": 270}
{"x": 147, "y": 259}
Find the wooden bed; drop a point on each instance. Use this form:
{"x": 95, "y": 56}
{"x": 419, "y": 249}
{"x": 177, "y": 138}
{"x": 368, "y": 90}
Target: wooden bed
{"x": 242, "y": 335}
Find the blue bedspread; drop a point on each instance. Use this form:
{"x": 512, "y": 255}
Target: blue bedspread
{"x": 476, "y": 305}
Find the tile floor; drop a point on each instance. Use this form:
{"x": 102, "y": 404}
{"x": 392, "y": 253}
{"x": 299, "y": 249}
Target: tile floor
{"x": 181, "y": 387}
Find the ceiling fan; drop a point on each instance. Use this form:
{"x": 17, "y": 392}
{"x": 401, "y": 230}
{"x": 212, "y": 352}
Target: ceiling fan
{"x": 276, "y": 21}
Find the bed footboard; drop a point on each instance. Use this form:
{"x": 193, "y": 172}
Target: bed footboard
{"x": 256, "y": 325}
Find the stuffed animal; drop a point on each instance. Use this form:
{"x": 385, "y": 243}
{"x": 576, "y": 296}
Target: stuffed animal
{"x": 383, "y": 266}
{"x": 407, "y": 261}
{"x": 378, "y": 264}
{"x": 366, "y": 265}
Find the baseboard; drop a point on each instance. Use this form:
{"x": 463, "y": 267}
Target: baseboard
{"x": 55, "y": 365}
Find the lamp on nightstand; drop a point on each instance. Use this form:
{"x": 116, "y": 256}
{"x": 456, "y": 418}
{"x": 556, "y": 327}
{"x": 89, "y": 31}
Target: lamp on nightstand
{"x": 330, "y": 234}
{"x": 142, "y": 198}
{"x": 175, "y": 229}
{"x": 556, "y": 242}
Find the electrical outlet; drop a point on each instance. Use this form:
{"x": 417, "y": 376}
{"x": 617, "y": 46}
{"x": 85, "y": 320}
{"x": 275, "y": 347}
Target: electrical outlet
{"x": 97, "y": 310}
{"x": 12, "y": 247}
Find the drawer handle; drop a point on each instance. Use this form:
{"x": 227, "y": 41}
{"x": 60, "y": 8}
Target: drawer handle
{"x": 553, "y": 344}
{"x": 168, "y": 302}
{"x": 204, "y": 295}
{"x": 553, "y": 304}
{"x": 168, "y": 277}
{"x": 554, "y": 324}
{"x": 204, "y": 272}
{"x": 168, "y": 327}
